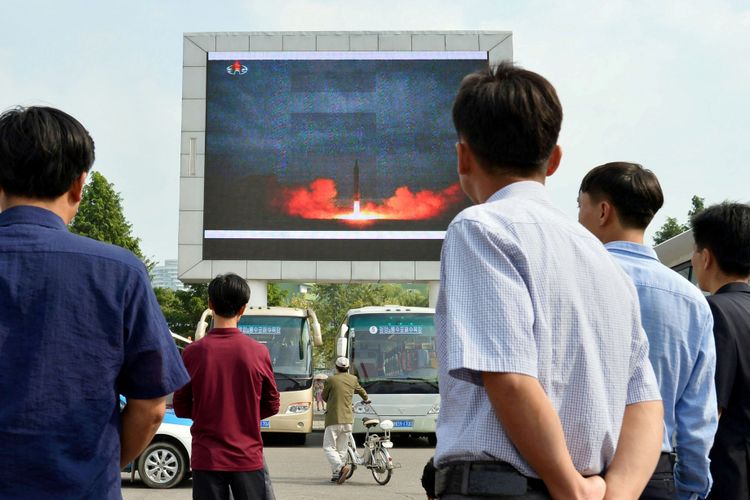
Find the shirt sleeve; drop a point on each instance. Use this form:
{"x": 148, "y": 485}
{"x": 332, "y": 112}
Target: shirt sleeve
{"x": 269, "y": 399}
{"x": 696, "y": 420}
{"x": 726, "y": 355}
{"x": 361, "y": 391}
{"x": 326, "y": 390}
{"x": 642, "y": 385}
{"x": 151, "y": 366}
{"x": 484, "y": 312}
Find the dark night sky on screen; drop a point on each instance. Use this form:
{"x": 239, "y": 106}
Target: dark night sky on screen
{"x": 300, "y": 120}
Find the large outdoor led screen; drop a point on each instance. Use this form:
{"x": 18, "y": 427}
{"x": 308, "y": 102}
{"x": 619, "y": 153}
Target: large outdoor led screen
{"x": 331, "y": 155}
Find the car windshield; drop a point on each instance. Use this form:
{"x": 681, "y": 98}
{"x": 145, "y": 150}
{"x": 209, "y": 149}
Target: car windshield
{"x": 394, "y": 352}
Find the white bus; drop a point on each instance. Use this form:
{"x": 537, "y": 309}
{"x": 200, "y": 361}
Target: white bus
{"x": 676, "y": 252}
{"x": 392, "y": 351}
{"x": 289, "y": 334}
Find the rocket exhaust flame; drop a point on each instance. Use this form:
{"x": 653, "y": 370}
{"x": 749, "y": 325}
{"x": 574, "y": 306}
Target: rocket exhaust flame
{"x": 319, "y": 201}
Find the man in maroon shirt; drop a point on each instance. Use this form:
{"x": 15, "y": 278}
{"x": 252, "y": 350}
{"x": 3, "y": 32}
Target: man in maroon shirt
{"x": 232, "y": 389}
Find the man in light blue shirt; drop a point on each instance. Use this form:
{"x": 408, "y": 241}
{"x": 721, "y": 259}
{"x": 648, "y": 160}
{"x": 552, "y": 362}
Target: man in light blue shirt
{"x": 617, "y": 202}
{"x": 545, "y": 382}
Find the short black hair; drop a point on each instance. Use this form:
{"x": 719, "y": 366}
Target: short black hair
{"x": 634, "y": 191}
{"x": 42, "y": 152}
{"x": 228, "y": 293}
{"x": 725, "y": 230}
{"x": 510, "y": 118}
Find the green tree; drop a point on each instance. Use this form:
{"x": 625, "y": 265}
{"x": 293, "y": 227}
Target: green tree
{"x": 276, "y": 296}
{"x": 672, "y": 226}
{"x": 696, "y": 207}
{"x": 669, "y": 229}
{"x": 100, "y": 217}
{"x": 183, "y": 308}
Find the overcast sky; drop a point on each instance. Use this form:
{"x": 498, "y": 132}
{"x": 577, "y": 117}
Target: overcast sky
{"x": 665, "y": 84}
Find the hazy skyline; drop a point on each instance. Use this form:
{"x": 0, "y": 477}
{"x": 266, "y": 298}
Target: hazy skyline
{"x": 664, "y": 84}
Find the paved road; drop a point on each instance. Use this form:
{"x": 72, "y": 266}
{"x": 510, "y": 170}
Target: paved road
{"x": 301, "y": 472}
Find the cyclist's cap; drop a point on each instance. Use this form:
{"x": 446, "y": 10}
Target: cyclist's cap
{"x": 342, "y": 362}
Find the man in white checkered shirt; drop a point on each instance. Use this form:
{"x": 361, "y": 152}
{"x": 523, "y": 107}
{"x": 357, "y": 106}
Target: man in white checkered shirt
{"x": 545, "y": 381}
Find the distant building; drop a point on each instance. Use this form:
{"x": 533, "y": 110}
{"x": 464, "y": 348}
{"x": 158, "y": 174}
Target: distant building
{"x": 166, "y": 276}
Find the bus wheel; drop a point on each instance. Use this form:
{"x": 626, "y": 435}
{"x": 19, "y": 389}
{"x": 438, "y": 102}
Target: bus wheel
{"x": 432, "y": 439}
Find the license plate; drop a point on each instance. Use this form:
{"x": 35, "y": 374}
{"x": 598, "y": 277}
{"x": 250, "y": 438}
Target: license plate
{"x": 265, "y": 424}
{"x": 403, "y": 424}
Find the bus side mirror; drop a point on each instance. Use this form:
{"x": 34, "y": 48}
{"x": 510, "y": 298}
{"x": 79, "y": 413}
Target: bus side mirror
{"x": 200, "y": 329}
{"x": 341, "y": 347}
{"x": 315, "y": 326}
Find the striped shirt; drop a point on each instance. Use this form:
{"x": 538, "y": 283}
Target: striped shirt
{"x": 524, "y": 289}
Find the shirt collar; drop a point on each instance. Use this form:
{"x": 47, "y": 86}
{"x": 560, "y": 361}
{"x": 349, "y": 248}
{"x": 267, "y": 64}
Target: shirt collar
{"x": 521, "y": 189}
{"x": 26, "y": 214}
{"x": 734, "y": 287}
{"x": 631, "y": 248}
{"x": 223, "y": 331}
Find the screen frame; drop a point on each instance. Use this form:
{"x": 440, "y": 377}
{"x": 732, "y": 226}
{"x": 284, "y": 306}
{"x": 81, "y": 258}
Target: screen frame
{"x": 192, "y": 268}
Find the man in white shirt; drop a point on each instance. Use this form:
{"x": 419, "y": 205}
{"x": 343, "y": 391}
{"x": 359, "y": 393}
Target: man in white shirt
{"x": 544, "y": 375}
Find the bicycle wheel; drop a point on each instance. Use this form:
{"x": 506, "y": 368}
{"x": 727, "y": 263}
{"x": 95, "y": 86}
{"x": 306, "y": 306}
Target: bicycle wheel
{"x": 380, "y": 470}
{"x": 350, "y": 462}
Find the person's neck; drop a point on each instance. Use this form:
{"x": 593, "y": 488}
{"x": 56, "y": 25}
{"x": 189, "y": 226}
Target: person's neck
{"x": 220, "y": 322}
{"x": 628, "y": 235}
{"x": 59, "y": 206}
{"x": 491, "y": 184}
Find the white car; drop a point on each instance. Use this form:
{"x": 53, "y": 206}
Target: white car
{"x": 166, "y": 460}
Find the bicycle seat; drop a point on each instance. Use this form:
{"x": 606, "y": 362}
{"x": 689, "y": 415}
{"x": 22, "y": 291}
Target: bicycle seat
{"x": 370, "y": 422}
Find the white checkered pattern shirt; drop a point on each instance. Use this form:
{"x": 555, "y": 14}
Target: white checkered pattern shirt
{"x": 524, "y": 289}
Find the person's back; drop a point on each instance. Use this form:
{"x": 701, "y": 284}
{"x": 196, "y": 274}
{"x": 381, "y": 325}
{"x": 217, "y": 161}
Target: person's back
{"x": 229, "y": 374}
{"x": 338, "y": 392}
{"x": 721, "y": 263}
{"x": 232, "y": 389}
{"x": 581, "y": 317}
{"x": 78, "y": 324}
{"x": 617, "y": 201}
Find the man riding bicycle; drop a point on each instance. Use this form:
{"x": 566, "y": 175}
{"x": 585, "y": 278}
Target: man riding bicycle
{"x": 337, "y": 393}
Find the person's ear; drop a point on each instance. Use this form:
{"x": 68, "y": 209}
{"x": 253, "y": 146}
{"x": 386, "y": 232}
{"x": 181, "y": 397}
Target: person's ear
{"x": 707, "y": 259}
{"x": 554, "y": 160}
{"x": 242, "y": 310}
{"x": 606, "y": 212}
{"x": 75, "y": 193}
{"x": 465, "y": 158}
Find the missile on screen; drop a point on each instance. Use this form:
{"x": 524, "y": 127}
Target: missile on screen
{"x": 356, "y": 197}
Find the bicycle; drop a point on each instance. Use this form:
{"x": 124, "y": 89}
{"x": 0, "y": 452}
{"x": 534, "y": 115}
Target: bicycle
{"x": 375, "y": 455}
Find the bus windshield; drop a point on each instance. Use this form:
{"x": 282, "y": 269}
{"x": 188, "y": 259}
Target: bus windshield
{"x": 394, "y": 353}
{"x": 288, "y": 341}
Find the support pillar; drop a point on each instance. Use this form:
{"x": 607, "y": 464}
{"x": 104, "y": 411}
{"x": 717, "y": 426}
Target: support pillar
{"x": 258, "y": 293}
{"x": 434, "y": 288}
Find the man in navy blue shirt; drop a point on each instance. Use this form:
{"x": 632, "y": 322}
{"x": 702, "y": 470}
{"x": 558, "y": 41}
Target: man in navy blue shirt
{"x": 79, "y": 324}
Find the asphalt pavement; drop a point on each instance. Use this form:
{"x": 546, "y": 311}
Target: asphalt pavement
{"x": 302, "y": 472}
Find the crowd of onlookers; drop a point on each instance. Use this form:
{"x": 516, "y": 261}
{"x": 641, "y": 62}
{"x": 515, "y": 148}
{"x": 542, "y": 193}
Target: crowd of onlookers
{"x": 572, "y": 363}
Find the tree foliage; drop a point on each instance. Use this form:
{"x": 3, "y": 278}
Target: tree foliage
{"x": 672, "y": 227}
{"x": 276, "y": 296}
{"x": 332, "y": 301}
{"x": 183, "y": 308}
{"x": 100, "y": 216}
